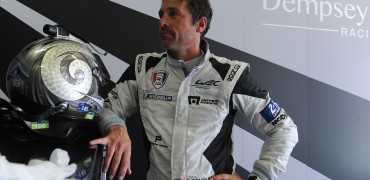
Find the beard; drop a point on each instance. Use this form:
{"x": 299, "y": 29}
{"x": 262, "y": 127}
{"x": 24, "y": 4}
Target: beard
{"x": 165, "y": 43}
{"x": 167, "y": 37}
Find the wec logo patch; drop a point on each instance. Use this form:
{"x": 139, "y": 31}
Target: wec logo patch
{"x": 205, "y": 84}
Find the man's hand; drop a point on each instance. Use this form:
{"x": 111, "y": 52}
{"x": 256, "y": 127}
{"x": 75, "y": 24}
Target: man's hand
{"x": 226, "y": 177}
{"x": 118, "y": 151}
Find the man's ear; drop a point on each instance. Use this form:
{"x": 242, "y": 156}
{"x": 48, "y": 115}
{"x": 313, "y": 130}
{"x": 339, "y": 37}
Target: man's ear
{"x": 202, "y": 24}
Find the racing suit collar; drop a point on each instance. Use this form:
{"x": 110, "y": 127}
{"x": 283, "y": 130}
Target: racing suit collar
{"x": 180, "y": 64}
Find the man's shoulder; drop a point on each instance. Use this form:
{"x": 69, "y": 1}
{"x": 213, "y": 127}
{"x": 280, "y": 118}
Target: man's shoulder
{"x": 152, "y": 55}
{"x": 225, "y": 60}
{"x": 148, "y": 60}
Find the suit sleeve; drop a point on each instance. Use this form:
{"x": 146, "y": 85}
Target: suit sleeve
{"x": 122, "y": 101}
{"x": 270, "y": 119}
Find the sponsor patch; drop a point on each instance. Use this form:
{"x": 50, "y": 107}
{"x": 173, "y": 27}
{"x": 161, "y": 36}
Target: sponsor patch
{"x": 140, "y": 64}
{"x": 157, "y": 97}
{"x": 83, "y": 107}
{"x": 196, "y": 100}
{"x": 159, "y": 139}
{"x": 114, "y": 95}
{"x": 271, "y": 111}
{"x": 205, "y": 84}
{"x": 235, "y": 69}
{"x": 279, "y": 119}
{"x": 159, "y": 78}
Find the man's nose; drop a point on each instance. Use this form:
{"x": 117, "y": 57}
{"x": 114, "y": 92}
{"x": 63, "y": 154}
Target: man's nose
{"x": 163, "y": 21}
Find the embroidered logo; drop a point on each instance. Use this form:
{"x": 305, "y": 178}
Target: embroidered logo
{"x": 271, "y": 111}
{"x": 233, "y": 72}
{"x": 157, "y": 97}
{"x": 196, "y": 100}
{"x": 205, "y": 84}
{"x": 140, "y": 64}
{"x": 159, "y": 78}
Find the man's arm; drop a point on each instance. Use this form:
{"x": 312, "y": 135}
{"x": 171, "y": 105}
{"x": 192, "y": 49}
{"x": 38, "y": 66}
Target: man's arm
{"x": 121, "y": 103}
{"x": 277, "y": 147}
{"x": 269, "y": 119}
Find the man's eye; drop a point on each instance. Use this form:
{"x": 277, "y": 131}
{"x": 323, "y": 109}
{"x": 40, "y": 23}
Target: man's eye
{"x": 160, "y": 14}
{"x": 172, "y": 13}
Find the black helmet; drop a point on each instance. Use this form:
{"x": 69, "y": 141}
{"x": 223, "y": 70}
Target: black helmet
{"x": 53, "y": 84}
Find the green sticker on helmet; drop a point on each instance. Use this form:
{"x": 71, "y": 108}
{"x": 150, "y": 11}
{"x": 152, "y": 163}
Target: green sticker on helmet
{"x": 40, "y": 125}
{"x": 90, "y": 115}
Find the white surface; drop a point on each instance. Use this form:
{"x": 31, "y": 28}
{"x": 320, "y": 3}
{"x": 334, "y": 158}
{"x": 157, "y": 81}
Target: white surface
{"x": 4, "y": 96}
{"x": 55, "y": 169}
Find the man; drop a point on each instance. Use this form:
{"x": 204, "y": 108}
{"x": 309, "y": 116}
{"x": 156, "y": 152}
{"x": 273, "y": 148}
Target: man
{"x": 188, "y": 99}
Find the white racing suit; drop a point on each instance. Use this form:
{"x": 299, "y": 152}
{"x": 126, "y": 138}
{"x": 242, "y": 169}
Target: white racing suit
{"x": 188, "y": 115}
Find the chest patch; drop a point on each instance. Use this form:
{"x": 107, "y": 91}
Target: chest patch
{"x": 159, "y": 78}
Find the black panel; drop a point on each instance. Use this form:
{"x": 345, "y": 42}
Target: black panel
{"x": 242, "y": 172}
{"x": 218, "y": 153}
{"x": 286, "y": 87}
{"x": 247, "y": 85}
{"x": 151, "y": 62}
{"x": 222, "y": 69}
{"x": 121, "y": 31}
{"x": 129, "y": 74}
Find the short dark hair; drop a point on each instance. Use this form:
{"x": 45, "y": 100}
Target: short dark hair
{"x": 201, "y": 8}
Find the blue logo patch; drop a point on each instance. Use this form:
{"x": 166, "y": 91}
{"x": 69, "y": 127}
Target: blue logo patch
{"x": 83, "y": 107}
{"x": 271, "y": 111}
